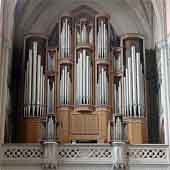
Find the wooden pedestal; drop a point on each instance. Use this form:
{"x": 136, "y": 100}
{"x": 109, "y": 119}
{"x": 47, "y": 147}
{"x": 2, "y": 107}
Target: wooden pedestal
{"x": 31, "y": 132}
{"x": 83, "y": 126}
{"x": 63, "y": 130}
{"x": 136, "y": 132}
{"x": 103, "y": 118}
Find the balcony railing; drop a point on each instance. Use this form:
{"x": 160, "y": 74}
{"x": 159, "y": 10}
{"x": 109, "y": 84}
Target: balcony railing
{"x": 85, "y": 153}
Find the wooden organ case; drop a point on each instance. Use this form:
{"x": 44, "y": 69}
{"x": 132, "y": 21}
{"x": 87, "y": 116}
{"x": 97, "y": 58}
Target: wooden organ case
{"x": 95, "y": 89}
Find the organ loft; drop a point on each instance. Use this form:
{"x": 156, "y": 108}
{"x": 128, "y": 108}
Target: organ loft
{"x": 88, "y": 88}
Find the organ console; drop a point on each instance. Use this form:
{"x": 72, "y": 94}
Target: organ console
{"x": 86, "y": 83}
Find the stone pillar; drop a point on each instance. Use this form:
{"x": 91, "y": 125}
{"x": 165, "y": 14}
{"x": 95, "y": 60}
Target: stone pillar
{"x": 50, "y": 155}
{"x": 6, "y": 35}
{"x": 119, "y": 156}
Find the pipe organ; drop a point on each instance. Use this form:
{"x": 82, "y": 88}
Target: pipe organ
{"x": 86, "y": 82}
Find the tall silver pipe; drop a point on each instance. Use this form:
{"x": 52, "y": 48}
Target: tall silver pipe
{"x": 127, "y": 93}
{"x": 107, "y": 90}
{"x": 66, "y": 37}
{"x": 134, "y": 97}
{"x": 84, "y": 71}
{"x": 52, "y": 97}
{"x": 77, "y": 80}
{"x": 81, "y": 78}
{"x": 35, "y": 45}
{"x": 65, "y": 84}
{"x": 98, "y": 44}
{"x": 102, "y": 85}
{"x": 67, "y": 90}
{"x": 91, "y": 36}
{"x": 138, "y": 83}
{"x": 87, "y": 79}
{"x": 30, "y": 81}
{"x": 120, "y": 98}
{"x": 99, "y": 36}
{"x": 61, "y": 42}
{"x": 106, "y": 44}
{"x": 43, "y": 95}
{"x": 63, "y": 87}
{"x": 115, "y": 99}
{"x": 38, "y": 82}
{"x": 130, "y": 84}
{"x": 124, "y": 95}
{"x": 69, "y": 40}
{"x": 40, "y": 99}
{"x": 48, "y": 96}
{"x": 104, "y": 40}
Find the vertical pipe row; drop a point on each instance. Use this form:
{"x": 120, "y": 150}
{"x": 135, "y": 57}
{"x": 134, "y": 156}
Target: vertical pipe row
{"x": 34, "y": 98}
{"x": 102, "y": 39}
{"x": 117, "y": 96}
{"x": 118, "y": 129}
{"x": 134, "y": 85}
{"x": 102, "y": 85}
{"x": 50, "y": 95}
{"x": 65, "y": 85}
{"x": 65, "y": 39}
{"x": 83, "y": 73}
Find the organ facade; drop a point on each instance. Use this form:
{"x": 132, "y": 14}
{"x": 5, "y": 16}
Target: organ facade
{"x": 93, "y": 84}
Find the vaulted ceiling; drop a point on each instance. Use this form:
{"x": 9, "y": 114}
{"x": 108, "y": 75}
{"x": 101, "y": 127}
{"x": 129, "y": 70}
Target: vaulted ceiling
{"x": 127, "y": 16}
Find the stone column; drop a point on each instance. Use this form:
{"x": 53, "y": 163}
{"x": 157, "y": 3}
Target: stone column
{"x": 50, "y": 155}
{"x": 119, "y": 156}
{"x": 6, "y": 34}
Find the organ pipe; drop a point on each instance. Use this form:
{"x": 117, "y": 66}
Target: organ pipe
{"x": 118, "y": 96}
{"x": 65, "y": 85}
{"x": 83, "y": 73}
{"x": 65, "y": 38}
{"x": 50, "y": 95}
{"x": 134, "y": 85}
{"x": 102, "y": 45}
{"x": 34, "y": 97}
{"x": 118, "y": 129}
{"x": 102, "y": 84}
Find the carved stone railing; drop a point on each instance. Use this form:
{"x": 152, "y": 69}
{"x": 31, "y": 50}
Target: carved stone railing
{"x": 80, "y": 154}
{"x": 22, "y": 153}
{"x": 148, "y": 154}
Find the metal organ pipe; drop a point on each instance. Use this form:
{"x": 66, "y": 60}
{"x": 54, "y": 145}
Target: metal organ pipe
{"x": 83, "y": 76}
{"x": 91, "y": 36}
{"x": 134, "y": 85}
{"x": 130, "y": 84}
{"x": 34, "y": 76}
{"x": 65, "y": 39}
{"x": 134, "y": 79}
{"x": 30, "y": 82}
{"x": 38, "y": 82}
{"x": 119, "y": 92}
{"x": 34, "y": 97}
